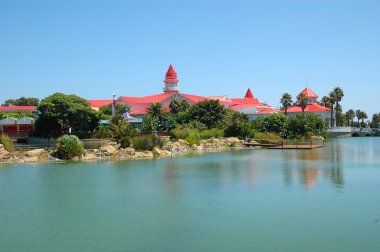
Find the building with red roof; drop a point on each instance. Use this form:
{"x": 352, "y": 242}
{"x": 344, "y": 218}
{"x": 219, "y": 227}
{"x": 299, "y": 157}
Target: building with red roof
{"x": 32, "y": 109}
{"x": 312, "y": 107}
{"x": 138, "y": 105}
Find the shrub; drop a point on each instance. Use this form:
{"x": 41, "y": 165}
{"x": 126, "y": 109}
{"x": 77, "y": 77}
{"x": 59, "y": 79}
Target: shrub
{"x": 148, "y": 142}
{"x": 193, "y": 139}
{"x": 211, "y": 133}
{"x": 183, "y": 133}
{"x": 240, "y": 130}
{"x": 7, "y": 143}
{"x": 69, "y": 146}
{"x": 121, "y": 130}
{"x": 267, "y": 136}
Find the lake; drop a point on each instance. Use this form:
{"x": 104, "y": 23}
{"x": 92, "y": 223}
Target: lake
{"x": 252, "y": 200}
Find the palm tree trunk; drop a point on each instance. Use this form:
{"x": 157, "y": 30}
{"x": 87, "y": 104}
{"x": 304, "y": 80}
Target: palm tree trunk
{"x": 332, "y": 114}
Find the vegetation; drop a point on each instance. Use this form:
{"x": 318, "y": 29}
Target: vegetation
{"x": 176, "y": 106}
{"x": 22, "y": 101}
{"x": 59, "y": 112}
{"x": 158, "y": 118}
{"x": 122, "y": 132}
{"x": 350, "y": 115}
{"x": 286, "y": 102}
{"x": 305, "y": 125}
{"x": 69, "y": 146}
{"x": 147, "y": 142}
{"x": 17, "y": 114}
{"x": 210, "y": 112}
{"x": 7, "y": 143}
{"x": 120, "y": 109}
{"x": 302, "y": 101}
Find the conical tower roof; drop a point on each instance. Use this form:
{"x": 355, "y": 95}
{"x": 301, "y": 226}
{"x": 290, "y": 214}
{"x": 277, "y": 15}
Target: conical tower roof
{"x": 171, "y": 75}
{"x": 249, "y": 94}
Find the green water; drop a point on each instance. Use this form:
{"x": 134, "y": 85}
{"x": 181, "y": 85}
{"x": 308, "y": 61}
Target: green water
{"x": 255, "y": 200}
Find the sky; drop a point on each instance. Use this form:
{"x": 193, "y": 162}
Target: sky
{"x": 94, "y": 48}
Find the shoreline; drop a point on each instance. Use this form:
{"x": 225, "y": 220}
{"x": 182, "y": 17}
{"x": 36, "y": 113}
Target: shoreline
{"x": 113, "y": 152}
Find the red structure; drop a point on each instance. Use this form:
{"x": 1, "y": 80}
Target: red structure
{"x": 249, "y": 104}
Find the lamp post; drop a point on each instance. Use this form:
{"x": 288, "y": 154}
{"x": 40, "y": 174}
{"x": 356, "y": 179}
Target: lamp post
{"x": 113, "y": 104}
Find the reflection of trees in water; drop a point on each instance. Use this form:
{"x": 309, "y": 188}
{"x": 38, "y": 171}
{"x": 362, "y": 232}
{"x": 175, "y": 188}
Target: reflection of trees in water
{"x": 308, "y": 176}
{"x": 287, "y": 174}
{"x": 335, "y": 173}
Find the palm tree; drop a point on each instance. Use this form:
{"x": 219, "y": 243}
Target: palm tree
{"x": 350, "y": 114}
{"x": 363, "y": 116}
{"x": 338, "y": 98}
{"x": 358, "y": 114}
{"x": 155, "y": 110}
{"x": 302, "y": 101}
{"x": 332, "y": 99}
{"x": 286, "y": 102}
{"x": 177, "y": 106}
{"x": 326, "y": 101}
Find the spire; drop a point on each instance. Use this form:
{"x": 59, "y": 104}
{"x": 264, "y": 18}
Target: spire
{"x": 171, "y": 80}
{"x": 171, "y": 75}
{"x": 248, "y": 94}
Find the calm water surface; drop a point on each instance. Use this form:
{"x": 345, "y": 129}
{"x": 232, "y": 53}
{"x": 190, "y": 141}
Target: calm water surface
{"x": 255, "y": 200}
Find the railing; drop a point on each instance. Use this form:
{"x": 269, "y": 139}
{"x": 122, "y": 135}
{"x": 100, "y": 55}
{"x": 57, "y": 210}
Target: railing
{"x": 16, "y": 134}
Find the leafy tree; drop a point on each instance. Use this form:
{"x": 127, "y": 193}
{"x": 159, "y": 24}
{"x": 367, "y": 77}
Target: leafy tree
{"x": 22, "y": 101}
{"x": 237, "y": 125}
{"x": 59, "y": 112}
{"x": 325, "y": 101}
{"x": 350, "y": 114}
{"x": 176, "y": 106}
{"x": 375, "y": 120}
{"x": 120, "y": 109}
{"x": 286, "y": 102}
{"x": 208, "y": 112}
{"x": 363, "y": 115}
{"x": 302, "y": 101}
{"x": 306, "y": 125}
{"x": 274, "y": 123}
{"x": 122, "y": 132}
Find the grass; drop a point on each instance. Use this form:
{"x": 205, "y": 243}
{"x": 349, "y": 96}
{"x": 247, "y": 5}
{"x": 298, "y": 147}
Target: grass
{"x": 147, "y": 142}
{"x": 7, "y": 143}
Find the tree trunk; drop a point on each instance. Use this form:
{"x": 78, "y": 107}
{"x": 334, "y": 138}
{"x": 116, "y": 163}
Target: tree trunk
{"x": 332, "y": 114}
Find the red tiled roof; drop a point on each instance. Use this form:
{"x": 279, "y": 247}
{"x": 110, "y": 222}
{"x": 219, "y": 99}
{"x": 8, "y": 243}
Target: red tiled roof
{"x": 309, "y": 93}
{"x": 267, "y": 110}
{"x": 249, "y": 94}
{"x": 143, "y": 111}
{"x": 309, "y": 108}
{"x": 146, "y": 99}
{"x": 99, "y": 103}
{"x": 15, "y": 108}
{"x": 194, "y": 98}
{"x": 245, "y": 101}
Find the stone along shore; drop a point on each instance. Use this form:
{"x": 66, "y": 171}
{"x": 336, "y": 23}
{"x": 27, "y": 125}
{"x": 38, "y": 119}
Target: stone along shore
{"x": 112, "y": 151}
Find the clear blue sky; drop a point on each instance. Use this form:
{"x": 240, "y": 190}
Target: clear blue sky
{"x": 92, "y": 48}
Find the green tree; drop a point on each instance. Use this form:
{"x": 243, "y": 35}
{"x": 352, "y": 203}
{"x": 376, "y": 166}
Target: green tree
{"x": 363, "y": 115}
{"x": 274, "y": 123}
{"x": 158, "y": 115}
{"x": 350, "y": 115}
{"x": 332, "y": 100}
{"x": 286, "y": 102}
{"x": 59, "y": 112}
{"x": 208, "y": 112}
{"x": 176, "y": 106}
{"x": 305, "y": 125}
{"x": 325, "y": 101}
{"x": 338, "y": 95}
{"x": 22, "y": 101}
{"x": 120, "y": 109}
{"x": 302, "y": 101}
{"x": 375, "y": 120}
{"x": 122, "y": 132}
{"x": 358, "y": 114}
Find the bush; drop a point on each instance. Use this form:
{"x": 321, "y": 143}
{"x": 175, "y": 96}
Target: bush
{"x": 211, "y": 133}
{"x": 267, "y": 136}
{"x": 121, "y": 130}
{"x": 193, "y": 139}
{"x": 69, "y": 146}
{"x": 7, "y": 143}
{"x": 183, "y": 133}
{"x": 148, "y": 142}
{"x": 240, "y": 130}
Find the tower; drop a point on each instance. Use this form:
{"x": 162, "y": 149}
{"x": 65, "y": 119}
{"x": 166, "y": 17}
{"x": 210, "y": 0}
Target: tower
{"x": 171, "y": 80}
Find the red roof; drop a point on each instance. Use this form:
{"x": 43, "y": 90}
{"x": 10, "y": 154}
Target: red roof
{"x": 249, "y": 94}
{"x": 146, "y": 99}
{"x": 309, "y": 93}
{"x": 15, "y": 108}
{"x": 309, "y": 108}
{"x": 143, "y": 111}
{"x": 99, "y": 103}
{"x": 244, "y": 101}
{"x": 171, "y": 75}
{"x": 194, "y": 98}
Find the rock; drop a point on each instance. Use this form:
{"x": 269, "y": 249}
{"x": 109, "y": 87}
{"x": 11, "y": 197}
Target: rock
{"x": 37, "y": 153}
{"x": 109, "y": 150}
{"x": 161, "y": 153}
{"x": 144, "y": 154}
{"x": 75, "y": 158}
{"x": 4, "y": 154}
{"x": 31, "y": 159}
{"x": 89, "y": 156}
{"x": 183, "y": 142}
